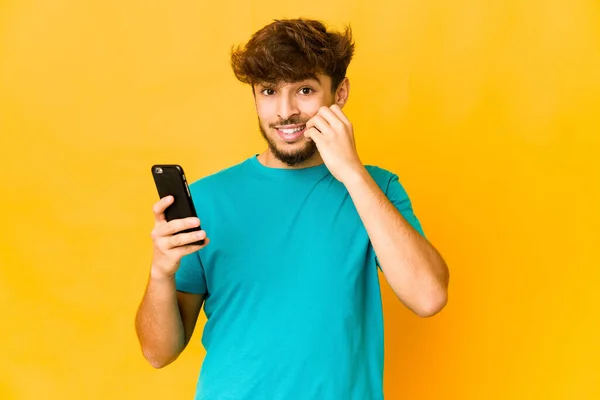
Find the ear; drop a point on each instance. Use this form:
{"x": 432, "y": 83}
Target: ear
{"x": 342, "y": 92}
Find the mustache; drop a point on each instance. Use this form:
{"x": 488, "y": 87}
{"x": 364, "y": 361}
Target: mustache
{"x": 290, "y": 121}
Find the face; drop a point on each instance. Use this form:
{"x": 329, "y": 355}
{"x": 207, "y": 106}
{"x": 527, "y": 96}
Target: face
{"x": 283, "y": 111}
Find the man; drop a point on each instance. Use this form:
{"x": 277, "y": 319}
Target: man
{"x": 288, "y": 274}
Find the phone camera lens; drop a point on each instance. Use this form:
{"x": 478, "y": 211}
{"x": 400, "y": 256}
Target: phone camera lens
{"x": 158, "y": 170}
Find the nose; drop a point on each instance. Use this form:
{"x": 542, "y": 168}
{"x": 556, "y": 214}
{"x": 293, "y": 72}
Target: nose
{"x": 286, "y": 108}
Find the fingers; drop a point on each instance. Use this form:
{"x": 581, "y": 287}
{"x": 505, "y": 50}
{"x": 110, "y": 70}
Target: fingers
{"x": 183, "y": 239}
{"x": 174, "y": 227}
{"x": 189, "y": 249}
{"x": 159, "y": 208}
{"x": 321, "y": 124}
{"x": 184, "y": 242}
{"x": 318, "y": 129}
{"x": 335, "y": 109}
{"x": 177, "y": 225}
{"x": 329, "y": 121}
{"x": 314, "y": 134}
{"x": 332, "y": 119}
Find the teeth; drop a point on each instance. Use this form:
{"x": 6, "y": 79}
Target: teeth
{"x": 291, "y": 131}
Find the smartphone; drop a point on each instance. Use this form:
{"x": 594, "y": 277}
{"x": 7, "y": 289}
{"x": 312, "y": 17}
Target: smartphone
{"x": 170, "y": 180}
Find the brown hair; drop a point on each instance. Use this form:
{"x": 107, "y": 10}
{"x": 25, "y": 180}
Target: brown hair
{"x": 291, "y": 50}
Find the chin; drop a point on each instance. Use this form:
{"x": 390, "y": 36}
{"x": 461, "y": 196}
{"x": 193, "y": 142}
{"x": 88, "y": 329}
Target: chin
{"x": 290, "y": 150}
{"x": 296, "y": 153}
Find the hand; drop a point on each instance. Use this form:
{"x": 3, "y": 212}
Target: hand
{"x": 169, "y": 245}
{"x": 333, "y": 134}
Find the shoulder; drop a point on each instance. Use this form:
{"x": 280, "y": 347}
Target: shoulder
{"x": 383, "y": 177}
{"x": 378, "y": 172}
{"x": 218, "y": 178}
{"x": 390, "y": 184}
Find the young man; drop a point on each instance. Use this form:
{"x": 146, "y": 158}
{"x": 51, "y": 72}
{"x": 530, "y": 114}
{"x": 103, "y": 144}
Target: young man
{"x": 288, "y": 274}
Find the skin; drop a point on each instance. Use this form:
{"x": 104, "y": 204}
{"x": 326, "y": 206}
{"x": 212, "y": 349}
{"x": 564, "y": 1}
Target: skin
{"x": 166, "y": 318}
{"x": 414, "y": 269}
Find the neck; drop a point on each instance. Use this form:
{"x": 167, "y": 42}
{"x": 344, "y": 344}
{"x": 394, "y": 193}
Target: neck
{"x": 267, "y": 159}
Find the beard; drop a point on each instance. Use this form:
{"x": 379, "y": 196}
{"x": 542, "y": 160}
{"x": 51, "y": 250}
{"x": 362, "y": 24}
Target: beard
{"x": 294, "y": 156}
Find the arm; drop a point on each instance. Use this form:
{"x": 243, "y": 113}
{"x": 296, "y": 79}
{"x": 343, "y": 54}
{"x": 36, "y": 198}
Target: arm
{"x": 412, "y": 266}
{"x": 414, "y": 269}
{"x": 165, "y": 320}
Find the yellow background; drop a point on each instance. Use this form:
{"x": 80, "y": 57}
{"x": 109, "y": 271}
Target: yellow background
{"x": 488, "y": 111}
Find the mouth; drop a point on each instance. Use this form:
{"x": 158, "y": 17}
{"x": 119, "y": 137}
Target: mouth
{"x": 291, "y": 133}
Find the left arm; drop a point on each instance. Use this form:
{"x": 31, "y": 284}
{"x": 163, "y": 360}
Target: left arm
{"x": 414, "y": 269}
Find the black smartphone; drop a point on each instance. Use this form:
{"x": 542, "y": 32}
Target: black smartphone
{"x": 170, "y": 180}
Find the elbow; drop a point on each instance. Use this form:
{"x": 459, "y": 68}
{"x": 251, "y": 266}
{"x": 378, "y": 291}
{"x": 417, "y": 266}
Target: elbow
{"x": 432, "y": 304}
{"x": 157, "y": 364}
{"x": 157, "y": 361}
{"x": 435, "y": 298}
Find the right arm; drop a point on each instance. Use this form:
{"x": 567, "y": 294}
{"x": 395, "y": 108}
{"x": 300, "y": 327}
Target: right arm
{"x": 166, "y": 318}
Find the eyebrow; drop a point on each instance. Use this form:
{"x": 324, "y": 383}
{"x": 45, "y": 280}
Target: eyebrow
{"x": 273, "y": 85}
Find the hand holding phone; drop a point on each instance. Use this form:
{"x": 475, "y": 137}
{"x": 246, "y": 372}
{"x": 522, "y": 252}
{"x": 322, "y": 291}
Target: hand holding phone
{"x": 177, "y": 231}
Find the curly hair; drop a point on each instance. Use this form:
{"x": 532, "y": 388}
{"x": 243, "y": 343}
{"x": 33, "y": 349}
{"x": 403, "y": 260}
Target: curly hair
{"x": 292, "y": 50}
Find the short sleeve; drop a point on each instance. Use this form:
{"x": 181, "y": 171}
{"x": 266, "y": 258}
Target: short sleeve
{"x": 399, "y": 198}
{"x": 190, "y": 275}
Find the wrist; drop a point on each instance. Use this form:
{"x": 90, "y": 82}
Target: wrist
{"x": 156, "y": 274}
{"x": 355, "y": 177}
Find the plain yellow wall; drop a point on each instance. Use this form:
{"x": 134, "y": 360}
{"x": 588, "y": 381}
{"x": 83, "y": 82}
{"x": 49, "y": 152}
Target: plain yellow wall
{"x": 488, "y": 111}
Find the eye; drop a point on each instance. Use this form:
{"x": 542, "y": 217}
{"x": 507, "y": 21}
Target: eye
{"x": 268, "y": 91}
{"x": 306, "y": 90}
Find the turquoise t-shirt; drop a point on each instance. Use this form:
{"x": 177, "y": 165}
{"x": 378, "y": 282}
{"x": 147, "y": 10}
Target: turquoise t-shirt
{"x": 291, "y": 282}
